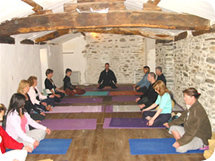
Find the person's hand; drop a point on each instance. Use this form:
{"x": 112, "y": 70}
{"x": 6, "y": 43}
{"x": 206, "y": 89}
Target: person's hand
{"x": 57, "y": 95}
{"x": 137, "y": 88}
{"x": 51, "y": 96}
{"x": 36, "y": 143}
{"x": 98, "y": 85}
{"x": 151, "y": 122}
{"x": 137, "y": 99}
{"x": 176, "y": 145}
{"x": 44, "y": 103}
{"x": 48, "y": 131}
{"x": 27, "y": 148}
{"x": 42, "y": 113}
{"x": 63, "y": 91}
{"x": 116, "y": 85}
{"x": 74, "y": 91}
{"x": 166, "y": 125}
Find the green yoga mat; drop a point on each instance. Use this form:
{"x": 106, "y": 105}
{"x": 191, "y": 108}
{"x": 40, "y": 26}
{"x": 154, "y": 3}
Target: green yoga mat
{"x": 95, "y": 93}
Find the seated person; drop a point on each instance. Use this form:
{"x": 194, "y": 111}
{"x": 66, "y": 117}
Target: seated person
{"x": 150, "y": 96}
{"x": 143, "y": 85}
{"x": 51, "y": 89}
{"x": 18, "y": 121}
{"x": 68, "y": 87}
{"x": 197, "y": 128}
{"x": 163, "y": 113}
{"x": 43, "y": 102}
{"x": 8, "y": 142}
{"x": 158, "y": 71}
{"x": 107, "y": 78}
{"x": 35, "y": 113}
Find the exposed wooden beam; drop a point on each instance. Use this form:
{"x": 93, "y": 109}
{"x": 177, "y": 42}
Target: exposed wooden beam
{"x": 150, "y": 19}
{"x": 152, "y": 5}
{"x": 7, "y": 40}
{"x": 84, "y": 1}
{"x": 155, "y": 2}
{"x": 71, "y": 7}
{"x": 36, "y": 7}
{"x": 181, "y": 36}
{"x": 42, "y": 12}
{"x": 197, "y": 33}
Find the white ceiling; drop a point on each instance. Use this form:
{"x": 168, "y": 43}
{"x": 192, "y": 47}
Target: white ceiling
{"x": 10, "y": 9}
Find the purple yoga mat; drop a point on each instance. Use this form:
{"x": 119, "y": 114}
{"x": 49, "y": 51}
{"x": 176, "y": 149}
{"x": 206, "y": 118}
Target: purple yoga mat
{"x": 127, "y": 123}
{"x": 109, "y": 108}
{"x": 70, "y": 124}
{"x": 124, "y": 98}
{"x": 77, "y": 109}
{"x": 82, "y": 100}
{"x": 120, "y": 88}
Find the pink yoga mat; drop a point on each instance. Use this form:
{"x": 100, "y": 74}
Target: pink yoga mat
{"x": 81, "y": 100}
{"x": 77, "y": 109}
{"x": 70, "y": 124}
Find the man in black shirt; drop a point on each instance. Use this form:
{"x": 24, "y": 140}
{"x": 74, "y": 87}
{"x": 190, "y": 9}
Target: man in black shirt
{"x": 160, "y": 75}
{"x": 150, "y": 96}
{"x": 107, "y": 78}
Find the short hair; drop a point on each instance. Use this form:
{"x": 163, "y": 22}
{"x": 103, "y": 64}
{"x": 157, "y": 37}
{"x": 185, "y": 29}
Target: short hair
{"x": 152, "y": 74}
{"x": 68, "y": 70}
{"x": 107, "y": 64}
{"x": 192, "y": 92}
{"x": 160, "y": 87}
{"x": 2, "y": 107}
{"x": 23, "y": 83}
{"x": 159, "y": 68}
{"x": 48, "y": 71}
{"x": 31, "y": 80}
{"x": 147, "y": 67}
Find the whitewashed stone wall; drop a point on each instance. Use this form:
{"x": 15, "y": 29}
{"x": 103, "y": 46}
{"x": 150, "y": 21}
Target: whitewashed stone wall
{"x": 193, "y": 64}
{"x": 124, "y": 53}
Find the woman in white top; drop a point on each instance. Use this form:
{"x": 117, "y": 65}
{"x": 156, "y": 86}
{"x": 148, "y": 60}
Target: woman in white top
{"x": 18, "y": 121}
{"x": 37, "y": 98}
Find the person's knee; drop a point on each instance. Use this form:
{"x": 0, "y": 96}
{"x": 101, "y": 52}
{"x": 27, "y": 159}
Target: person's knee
{"x": 173, "y": 128}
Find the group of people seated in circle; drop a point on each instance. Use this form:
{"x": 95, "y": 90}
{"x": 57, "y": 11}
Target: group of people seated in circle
{"x": 25, "y": 112}
{"x": 191, "y": 130}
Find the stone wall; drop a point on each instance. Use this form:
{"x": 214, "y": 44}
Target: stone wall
{"x": 124, "y": 53}
{"x": 190, "y": 63}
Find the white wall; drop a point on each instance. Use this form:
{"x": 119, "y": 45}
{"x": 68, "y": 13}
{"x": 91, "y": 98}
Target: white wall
{"x": 19, "y": 61}
{"x": 150, "y": 53}
{"x": 73, "y": 56}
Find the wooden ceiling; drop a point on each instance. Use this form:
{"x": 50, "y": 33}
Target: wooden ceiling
{"x": 117, "y": 20}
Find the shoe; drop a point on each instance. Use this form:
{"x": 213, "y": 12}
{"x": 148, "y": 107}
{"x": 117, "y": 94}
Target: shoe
{"x": 204, "y": 148}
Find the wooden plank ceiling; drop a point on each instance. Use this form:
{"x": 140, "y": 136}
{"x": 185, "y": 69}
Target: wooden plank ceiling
{"x": 117, "y": 20}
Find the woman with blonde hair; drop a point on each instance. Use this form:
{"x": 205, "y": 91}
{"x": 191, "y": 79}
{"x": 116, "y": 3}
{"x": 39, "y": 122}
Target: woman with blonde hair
{"x": 35, "y": 113}
{"x": 37, "y": 98}
{"x": 163, "y": 113}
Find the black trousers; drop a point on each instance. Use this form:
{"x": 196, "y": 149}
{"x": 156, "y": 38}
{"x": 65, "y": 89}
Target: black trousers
{"x": 36, "y": 116}
{"x": 146, "y": 101}
{"x": 160, "y": 120}
{"x": 142, "y": 89}
{"x": 56, "y": 99}
{"x": 111, "y": 84}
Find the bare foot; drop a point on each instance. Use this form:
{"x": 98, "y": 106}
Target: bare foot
{"x": 148, "y": 118}
{"x": 141, "y": 106}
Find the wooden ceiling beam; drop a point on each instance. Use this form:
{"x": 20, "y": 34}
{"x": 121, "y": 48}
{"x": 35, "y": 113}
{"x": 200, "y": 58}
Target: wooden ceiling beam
{"x": 36, "y": 7}
{"x": 71, "y": 7}
{"x": 150, "y": 19}
{"x": 151, "y": 6}
{"x": 84, "y": 1}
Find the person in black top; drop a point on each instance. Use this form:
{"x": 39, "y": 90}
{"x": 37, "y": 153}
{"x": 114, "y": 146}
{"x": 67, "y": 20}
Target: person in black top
{"x": 36, "y": 114}
{"x": 68, "y": 87}
{"x": 150, "y": 96}
{"x": 160, "y": 75}
{"x": 51, "y": 89}
{"x": 107, "y": 78}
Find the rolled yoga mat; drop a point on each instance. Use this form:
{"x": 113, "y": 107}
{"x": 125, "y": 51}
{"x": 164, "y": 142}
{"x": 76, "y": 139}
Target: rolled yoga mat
{"x": 77, "y": 109}
{"x": 124, "y": 93}
{"x": 124, "y": 98}
{"x": 53, "y": 146}
{"x": 81, "y": 100}
{"x": 70, "y": 124}
{"x": 127, "y": 123}
{"x": 155, "y": 147}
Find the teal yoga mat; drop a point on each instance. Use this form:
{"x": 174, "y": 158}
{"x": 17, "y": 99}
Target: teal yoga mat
{"x": 95, "y": 93}
{"x": 154, "y": 147}
{"x": 53, "y": 146}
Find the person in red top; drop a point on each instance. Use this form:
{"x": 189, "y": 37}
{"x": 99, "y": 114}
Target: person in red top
{"x": 8, "y": 142}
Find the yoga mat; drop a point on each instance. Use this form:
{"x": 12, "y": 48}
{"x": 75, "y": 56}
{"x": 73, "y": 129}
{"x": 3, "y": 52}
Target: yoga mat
{"x": 95, "y": 93}
{"x": 124, "y": 93}
{"x": 53, "y": 146}
{"x": 81, "y": 100}
{"x": 120, "y": 88}
{"x": 127, "y": 123}
{"x": 124, "y": 98}
{"x": 154, "y": 146}
{"x": 122, "y": 108}
{"x": 77, "y": 109}
{"x": 70, "y": 124}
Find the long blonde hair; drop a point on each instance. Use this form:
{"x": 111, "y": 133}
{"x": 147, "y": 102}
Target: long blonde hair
{"x": 23, "y": 83}
{"x": 160, "y": 87}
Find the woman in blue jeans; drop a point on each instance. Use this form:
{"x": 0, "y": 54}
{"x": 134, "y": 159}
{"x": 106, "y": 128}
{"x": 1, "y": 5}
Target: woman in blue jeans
{"x": 163, "y": 113}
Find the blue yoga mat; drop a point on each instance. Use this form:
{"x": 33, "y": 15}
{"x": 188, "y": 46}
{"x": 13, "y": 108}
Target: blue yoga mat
{"x": 53, "y": 146}
{"x": 155, "y": 146}
{"x": 95, "y": 93}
